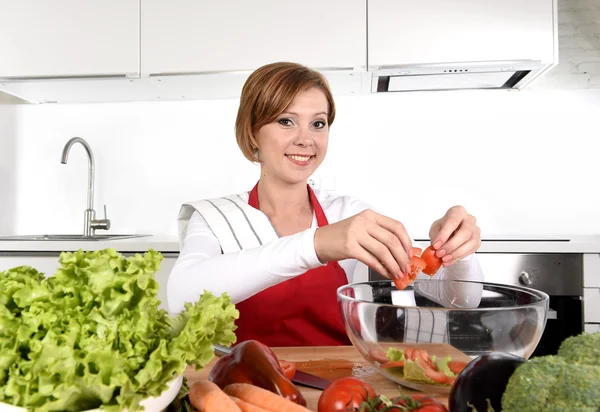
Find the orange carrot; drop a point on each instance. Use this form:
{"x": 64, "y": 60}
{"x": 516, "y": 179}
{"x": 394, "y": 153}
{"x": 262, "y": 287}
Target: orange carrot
{"x": 262, "y": 398}
{"x": 392, "y": 364}
{"x": 247, "y": 407}
{"x": 206, "y": 396}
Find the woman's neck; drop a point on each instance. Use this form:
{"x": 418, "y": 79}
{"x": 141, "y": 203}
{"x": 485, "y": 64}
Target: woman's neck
{"x": 277, "y": 198}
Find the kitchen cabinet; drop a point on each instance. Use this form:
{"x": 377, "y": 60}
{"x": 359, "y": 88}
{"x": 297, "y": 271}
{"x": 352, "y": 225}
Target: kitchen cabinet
{"x": 191, "y": 36}
{"x": 592, "y": 327}
{"x": 69, "y": 38}
{"x": 47, "y": 263}
{"x": 591, "y": 298}
{"x": 400, "y": 31}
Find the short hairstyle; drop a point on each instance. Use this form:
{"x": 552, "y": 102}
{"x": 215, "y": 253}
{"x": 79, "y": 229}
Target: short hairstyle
{"x": 266, "y": 94}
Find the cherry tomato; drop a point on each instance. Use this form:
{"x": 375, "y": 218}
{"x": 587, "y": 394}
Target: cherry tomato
{"x": 345, "y": 394}
{"x": 431, "y": 260}
{"x": 289, "y": 368}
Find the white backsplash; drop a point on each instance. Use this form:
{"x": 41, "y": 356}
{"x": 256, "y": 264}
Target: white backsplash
{"x": 522, "y": 162}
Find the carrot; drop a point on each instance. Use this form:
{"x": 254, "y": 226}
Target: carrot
{"x": 206, "y": 396}
{"x": 262, "y": 398}
{"x": 247, "y": 407}
{"x": 392, "y": 364}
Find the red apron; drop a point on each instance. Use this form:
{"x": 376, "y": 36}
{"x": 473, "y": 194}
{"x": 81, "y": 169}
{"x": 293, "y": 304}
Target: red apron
{"x": 301, "y": 311}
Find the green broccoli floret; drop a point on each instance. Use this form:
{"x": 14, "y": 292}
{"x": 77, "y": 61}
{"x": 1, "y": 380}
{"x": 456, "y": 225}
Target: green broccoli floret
{"x": 549, "y": 383}
{"x": 530, "y": 386}
{"x": 582, "y": 349}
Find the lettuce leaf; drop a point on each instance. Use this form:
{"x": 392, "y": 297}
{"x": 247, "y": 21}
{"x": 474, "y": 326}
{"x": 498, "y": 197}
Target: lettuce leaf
{"x": 92, "y": 335}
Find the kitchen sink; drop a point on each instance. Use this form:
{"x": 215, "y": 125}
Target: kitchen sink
{"x": 69, "y": 237}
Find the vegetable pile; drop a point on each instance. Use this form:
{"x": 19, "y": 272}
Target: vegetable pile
{"x": 567, "y": 381}
{"x": 92, "y": 335}
{"x": 416, "y": 365}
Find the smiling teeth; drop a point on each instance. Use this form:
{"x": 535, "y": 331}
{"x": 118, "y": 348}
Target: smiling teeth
{"x": 300, "y": 158}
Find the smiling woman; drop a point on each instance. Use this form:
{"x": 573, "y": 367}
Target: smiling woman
{"x": 275, "y": 249}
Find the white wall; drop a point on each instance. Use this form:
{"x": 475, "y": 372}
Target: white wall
{"x": 523, "y": 163}
{"x": 8, "y": 168}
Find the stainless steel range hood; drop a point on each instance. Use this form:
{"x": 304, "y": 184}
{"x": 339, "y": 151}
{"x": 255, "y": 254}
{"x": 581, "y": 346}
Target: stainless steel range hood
{"x": 458, "y": 76}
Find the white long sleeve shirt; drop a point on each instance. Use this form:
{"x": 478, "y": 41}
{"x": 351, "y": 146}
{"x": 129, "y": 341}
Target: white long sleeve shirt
{"x": 202, "y": 265}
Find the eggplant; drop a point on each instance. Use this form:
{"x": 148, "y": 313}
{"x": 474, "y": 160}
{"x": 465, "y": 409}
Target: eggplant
{"x": 483, "y": 379}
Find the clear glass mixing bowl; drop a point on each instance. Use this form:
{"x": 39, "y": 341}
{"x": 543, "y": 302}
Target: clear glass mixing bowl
{"x": 459, "y": 319}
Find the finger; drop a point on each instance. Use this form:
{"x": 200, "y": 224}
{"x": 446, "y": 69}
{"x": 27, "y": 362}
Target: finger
{"x": 466, "y": 249}
{"x": 462, "y": 235}
{"x": 371, "y": 261}
{"x": 393, "y": 244}
{"x": 381, "y": 253}
{"x": 396, "y": 228}
{"x": 449, "y": 225}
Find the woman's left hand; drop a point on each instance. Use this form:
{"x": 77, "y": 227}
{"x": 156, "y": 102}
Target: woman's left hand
{"x": 455, "y": 235}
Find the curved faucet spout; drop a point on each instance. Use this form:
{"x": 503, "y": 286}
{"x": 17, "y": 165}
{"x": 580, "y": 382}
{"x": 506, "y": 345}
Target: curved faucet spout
{"x": 90, "y": 224}
{"x": 88, "y": 149}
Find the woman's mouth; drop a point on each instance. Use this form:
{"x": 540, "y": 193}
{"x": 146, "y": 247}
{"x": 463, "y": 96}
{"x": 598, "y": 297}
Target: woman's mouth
{"x": 300, "y": 160}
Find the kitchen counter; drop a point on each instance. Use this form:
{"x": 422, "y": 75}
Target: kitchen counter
{"x": 140, "y": 244}
{"x": 169, "y": 243}
{"x": 330, "y": 363}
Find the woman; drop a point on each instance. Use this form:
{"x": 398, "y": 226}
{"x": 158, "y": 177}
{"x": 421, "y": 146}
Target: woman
{"x": 275, "y": 250}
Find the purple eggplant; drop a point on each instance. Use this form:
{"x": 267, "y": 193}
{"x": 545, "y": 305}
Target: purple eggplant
{"x": 483, "y": 380}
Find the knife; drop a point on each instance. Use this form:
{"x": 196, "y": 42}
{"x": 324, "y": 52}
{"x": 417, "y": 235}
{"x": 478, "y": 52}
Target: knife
{"x": 300, "y": 377}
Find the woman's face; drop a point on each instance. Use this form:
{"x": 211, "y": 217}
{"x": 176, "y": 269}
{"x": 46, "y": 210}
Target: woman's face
{"x": 294, "y": 145}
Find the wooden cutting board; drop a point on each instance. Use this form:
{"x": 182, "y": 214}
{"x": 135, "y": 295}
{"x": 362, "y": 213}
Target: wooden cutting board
{"x": 339, "y": 361}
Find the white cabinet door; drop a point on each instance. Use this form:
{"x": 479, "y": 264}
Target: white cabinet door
{"x": 190, "y": 36}
{"x": 69, "y": 38}
{"x": 401, "y": 31}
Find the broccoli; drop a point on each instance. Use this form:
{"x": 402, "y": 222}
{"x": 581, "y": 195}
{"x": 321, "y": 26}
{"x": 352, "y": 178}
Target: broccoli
{"x": 569, "y": 381}
{"x": 582, "y": 349}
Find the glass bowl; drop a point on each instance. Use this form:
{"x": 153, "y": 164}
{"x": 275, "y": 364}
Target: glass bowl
{"x": 450, "y": 320}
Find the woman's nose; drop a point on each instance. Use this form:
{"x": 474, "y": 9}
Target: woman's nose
{"x": 303, "y": 138}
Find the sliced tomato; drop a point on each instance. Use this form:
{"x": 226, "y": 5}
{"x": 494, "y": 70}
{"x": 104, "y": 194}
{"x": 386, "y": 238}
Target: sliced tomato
{"x": 425, "y": 357}
{"x": 416, "y": 265}
{"x": 432, "y": 262}
{"x": 436, "y": 376}
{"x": 289, "y": 368}
{"x": 378, "y": 355}
{"x": 456, "y": 366}
{"x": 417, "y": 251}
{"x": 392, "y": 364}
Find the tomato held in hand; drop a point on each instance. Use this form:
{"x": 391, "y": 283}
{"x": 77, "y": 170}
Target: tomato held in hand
{"x": 431, "y": 260}
{"x": 417, "y": 265}
{"x": 345, "y": 394}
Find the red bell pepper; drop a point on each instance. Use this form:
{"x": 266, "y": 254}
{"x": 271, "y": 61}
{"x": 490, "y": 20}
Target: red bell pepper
{"x": 255, "y": 363}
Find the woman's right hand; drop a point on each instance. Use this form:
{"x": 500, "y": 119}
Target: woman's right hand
{"x": 378, "y": 241}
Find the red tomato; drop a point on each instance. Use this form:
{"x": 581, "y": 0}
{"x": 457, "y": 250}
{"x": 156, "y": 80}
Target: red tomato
{"x": 456, "y": 366}
{"x": 289, "y": 368}
{"x": 417, "y": 251}
{"x": 421, "y": 403}
{"x": 431, "y": 260}
{"x": 345, "y": 394}
{"x": 417, "y": 264}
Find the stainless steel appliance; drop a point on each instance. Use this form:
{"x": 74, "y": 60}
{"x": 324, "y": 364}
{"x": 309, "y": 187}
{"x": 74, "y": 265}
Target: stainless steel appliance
{"x": 558, "y": 275}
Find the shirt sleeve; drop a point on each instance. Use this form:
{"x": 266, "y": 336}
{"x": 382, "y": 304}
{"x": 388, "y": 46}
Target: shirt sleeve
{"x": 201, "y": 265}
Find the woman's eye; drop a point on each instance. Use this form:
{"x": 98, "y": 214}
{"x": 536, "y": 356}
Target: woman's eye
{"x": 319, "y": 124}
{"x": 285, "y": 122}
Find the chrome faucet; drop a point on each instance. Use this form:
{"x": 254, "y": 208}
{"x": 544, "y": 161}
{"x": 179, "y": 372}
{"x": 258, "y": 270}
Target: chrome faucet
{"x": 90, "y": 223}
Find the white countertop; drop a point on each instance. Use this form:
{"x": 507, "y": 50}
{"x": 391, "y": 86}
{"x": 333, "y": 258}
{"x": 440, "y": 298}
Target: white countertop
{"x": 141, "y": 244}
{"x": 166, "y": 243}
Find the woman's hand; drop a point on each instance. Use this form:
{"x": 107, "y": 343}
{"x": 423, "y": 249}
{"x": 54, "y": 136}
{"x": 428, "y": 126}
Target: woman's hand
{"x": 378, "y": 241}
{"x": 455, "y": 235}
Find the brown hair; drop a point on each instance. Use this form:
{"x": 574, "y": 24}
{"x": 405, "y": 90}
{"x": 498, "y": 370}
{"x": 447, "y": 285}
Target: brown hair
{"x": 267, "y": 93}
